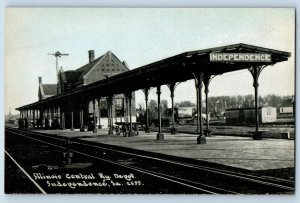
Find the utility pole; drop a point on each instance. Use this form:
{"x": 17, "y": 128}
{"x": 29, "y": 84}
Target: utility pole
{"x": 58, "y": 54}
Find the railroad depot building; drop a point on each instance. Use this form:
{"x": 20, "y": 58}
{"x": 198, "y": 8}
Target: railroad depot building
{"x": 95, "y": 70}
{"x": 108, "y": 84}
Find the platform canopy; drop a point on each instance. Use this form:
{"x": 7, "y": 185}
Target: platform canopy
{"x": 178, "y": 68}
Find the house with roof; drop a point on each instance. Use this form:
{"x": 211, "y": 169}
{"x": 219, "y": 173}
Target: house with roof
{"x": 46, "y": 90}
{"x": 96, "y": 69}
{"x": 286, "y": 111}
{"x": 101, "y": 68}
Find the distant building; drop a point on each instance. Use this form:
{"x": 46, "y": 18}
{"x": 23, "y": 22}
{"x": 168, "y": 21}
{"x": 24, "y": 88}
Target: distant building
{"x": 11, "y": 119}
{"x": 186, "y": 111}
{"x": 287, "y": 108}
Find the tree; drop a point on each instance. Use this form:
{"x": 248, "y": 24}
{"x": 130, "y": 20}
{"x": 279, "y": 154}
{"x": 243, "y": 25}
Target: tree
{"x": 164, "y": 108}
{"x": 140, "y": 113}
{"x": 152, "y": 109}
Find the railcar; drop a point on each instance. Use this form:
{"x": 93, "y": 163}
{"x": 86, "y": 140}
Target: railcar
{"x": 266, "y": 114}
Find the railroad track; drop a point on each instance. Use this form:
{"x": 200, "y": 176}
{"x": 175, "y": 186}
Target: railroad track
{"x": 200, "y": 178}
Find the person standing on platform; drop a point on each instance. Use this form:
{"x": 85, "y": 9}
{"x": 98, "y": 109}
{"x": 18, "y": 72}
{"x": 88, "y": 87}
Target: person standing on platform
{"x": 26, "y": 123}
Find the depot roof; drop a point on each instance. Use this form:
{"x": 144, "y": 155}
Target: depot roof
{"x": 177, "y": 68}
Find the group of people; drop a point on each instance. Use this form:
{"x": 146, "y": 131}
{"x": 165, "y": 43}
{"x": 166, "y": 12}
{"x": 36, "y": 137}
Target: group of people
{"x": 125, "y": 128}
{"x": 90, "y": 123}
{"x": 24, "y": 124}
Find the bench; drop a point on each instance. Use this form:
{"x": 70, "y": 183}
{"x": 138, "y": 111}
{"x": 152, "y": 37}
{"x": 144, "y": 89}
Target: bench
{"x": 123, "y": 127}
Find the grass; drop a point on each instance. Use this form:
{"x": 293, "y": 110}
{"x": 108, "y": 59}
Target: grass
{"x": 271, "y": 131}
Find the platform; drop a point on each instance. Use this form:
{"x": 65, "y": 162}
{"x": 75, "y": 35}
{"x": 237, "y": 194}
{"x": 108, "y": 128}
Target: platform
{"x": 241, "y": 152}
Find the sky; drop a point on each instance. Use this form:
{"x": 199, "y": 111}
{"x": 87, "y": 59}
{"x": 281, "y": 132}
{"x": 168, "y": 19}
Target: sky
{"x": 142, "y": 36}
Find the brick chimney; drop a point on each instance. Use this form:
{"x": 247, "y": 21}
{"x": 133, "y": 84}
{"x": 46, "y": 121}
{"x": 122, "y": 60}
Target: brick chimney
{"x": 40, "y": 80}
{"x": 91, "y": 56}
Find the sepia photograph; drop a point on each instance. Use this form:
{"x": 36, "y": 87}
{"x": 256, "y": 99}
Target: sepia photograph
{"x": 149, "y": 101}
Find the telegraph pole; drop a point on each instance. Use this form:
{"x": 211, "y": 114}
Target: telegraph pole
{"x": 62, "y": 111}
{"x": 58, "y": 54}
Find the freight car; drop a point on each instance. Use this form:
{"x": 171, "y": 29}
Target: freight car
{"x": 266, "y": 114}
{"x": 187, "y": 115}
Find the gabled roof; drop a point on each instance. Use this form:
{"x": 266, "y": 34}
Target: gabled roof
{"x": 73, "y": 76}
{"x": 86, "y": 68}
{"x": 49, "y": 89}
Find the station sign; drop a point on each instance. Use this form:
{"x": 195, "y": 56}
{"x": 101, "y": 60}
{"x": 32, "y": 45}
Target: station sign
{"x": 239, "y": 57}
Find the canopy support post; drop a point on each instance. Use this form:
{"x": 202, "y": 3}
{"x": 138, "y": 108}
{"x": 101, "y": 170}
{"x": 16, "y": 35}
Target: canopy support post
{"x": 94, "y": 117}
{"x": 159, "y": 136}
{"x": 146, "y": 92}
{"x": 255, "y": 72}
{"x": 99, "y": 108}
{"x": 206, "y": 80}
{"x": 198, "y": 82}
{"x": 72, "y": 121}
{"x": 172, "y": 90}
